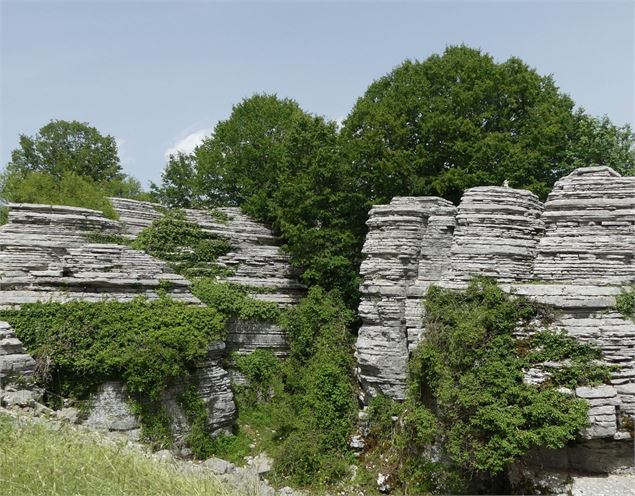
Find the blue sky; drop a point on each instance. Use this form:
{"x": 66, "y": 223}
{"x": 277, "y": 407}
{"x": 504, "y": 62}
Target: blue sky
{"x": 159, "y": 75}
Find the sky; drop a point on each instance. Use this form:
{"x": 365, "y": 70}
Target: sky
{"x": 159, "y": 75}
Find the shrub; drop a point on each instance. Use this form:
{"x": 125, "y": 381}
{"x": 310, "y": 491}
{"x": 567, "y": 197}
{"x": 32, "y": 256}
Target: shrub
{"x": 625, "y": 303}
{"x": 145, "y": 343}
{"x": 233, "y": 300}
{"x": 471, "y": 367}
{"x": 188, "y": 249}
{"x": 68, "y": 189}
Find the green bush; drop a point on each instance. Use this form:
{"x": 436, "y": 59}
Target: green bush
{"x": 468, "y": 412}
{"x": 188, "y": 249}
{"x": 625, "y": 303}
{"x": 233, "y": 300}
{"x": 67, "y": 189}
{"x": 307, "y": 421}
{"x": 145, "y": 343}
{"x": 469, "y": 368}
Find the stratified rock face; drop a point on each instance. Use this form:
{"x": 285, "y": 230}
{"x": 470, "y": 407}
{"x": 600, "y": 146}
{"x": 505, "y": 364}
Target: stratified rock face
{"x": 15, "y": 364}
{"x": 393, "y": 249}
{"x": 45, "y": 255}
{"x": 590, "y": 236}
{"x": 576, "y": 254}
{"x": 497, "y": 231}
{"x": 255, "y": 260}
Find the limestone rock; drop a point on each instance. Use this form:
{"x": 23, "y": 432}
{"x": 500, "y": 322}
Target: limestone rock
{"x": 576, "y": 253}
{"x": 45, "y": 254}
{"x": 219, "y": 466}
{"x": 15, "y": 364}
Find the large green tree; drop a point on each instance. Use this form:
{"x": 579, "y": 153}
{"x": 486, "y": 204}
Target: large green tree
{"x": 68, "y": 146}
{"x": 281, "y": 165}
{"x": 460, "y": 119}
{"x": 241, "y": 162}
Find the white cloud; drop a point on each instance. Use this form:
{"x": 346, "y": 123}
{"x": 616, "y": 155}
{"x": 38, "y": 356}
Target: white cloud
{"x": 125, "y": 157}
{"x": 189, "y": 142}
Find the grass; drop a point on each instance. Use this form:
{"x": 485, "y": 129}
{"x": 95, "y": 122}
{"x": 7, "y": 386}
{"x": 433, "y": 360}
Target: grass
{"x": 38, "y": 460}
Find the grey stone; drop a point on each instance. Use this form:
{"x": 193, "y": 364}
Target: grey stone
{"x": 68, "y": 414}
{"x": 163, "y": 455}
{"x": 576, "y": 253}
{"x": 262, "y": 463}
{"x": 23, "y": 398}
{"x": 219, "y": 466}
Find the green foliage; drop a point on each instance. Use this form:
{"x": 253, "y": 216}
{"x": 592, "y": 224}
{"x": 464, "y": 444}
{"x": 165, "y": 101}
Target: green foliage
{"x": 239, "y": 163}
{"x": 145, "y": 343}
{"x": 199, "y": 438}
{"x": 307, "y": 406}
{"x": 581, "y": 360}
{"x": 460, "y": 120}
{"x": 38, "y": 460}
{"x": 67, "y": 189}
{"x": 189, "y": 249}
{"x": 4, "y": 215}
{"x": 155, "y": 422}
{"x": 262, "y": 370}
{"x": 178, "y": 187}
{"x": 470, "y": 369}
{"x": 73, "y": 147}
{"x": 625, "y": 303}
{"x": 233, "y": 300}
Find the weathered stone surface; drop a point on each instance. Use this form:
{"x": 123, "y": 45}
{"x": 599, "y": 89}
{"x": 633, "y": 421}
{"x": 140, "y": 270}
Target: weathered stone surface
{"x": 15, "y": 364}
{"x": 110, "y": 410}
{"x": 396, "y": 234}
{"x": 110, "y": 406}
{"x": 575, "y": 253}
{"x": 212, "y": 382}
{"x": 255, "y": 260}
{"x": 45, "y": 255}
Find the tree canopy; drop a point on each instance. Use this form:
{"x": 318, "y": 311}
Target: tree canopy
{"x": 432, "y": 127}
{"x": 68, "y": 146}
{"x": 460, "y": 120}
{"x": 67, "y": 163}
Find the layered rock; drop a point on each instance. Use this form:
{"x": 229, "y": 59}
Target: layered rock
{"x": 16, "y": 366}
{"x": 255, "y": 261}
{"x": 393, "y": 251}
{"x": 575, "y": 253}
{"x": 110, "y": 408}
{"x": 45, "y": 254}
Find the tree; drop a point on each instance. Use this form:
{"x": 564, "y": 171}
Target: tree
{"x": 67, "y": 146}
{"x": 240, "y": 164}
{"x": 459, "y": 120}
{"x": 177, "y": 182}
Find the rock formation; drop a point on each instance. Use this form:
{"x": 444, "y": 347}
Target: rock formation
{"x": 575, "y": 253}
{"x": 255, "y": 261}
{"x": 47, "y": 254}
{"x": 15, "y": 363}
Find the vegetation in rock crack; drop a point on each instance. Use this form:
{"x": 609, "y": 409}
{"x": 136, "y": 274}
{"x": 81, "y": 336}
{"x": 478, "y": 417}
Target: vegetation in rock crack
{"x": 145, "y": 343}
{"x": 469, "y": 413}
{"x": 233, "y": 300}
{"x": 302, "y": 410}
{"x": 38, "y": 460}
{"x": 625, "y": 302}
{"x": 188, "y": 248}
